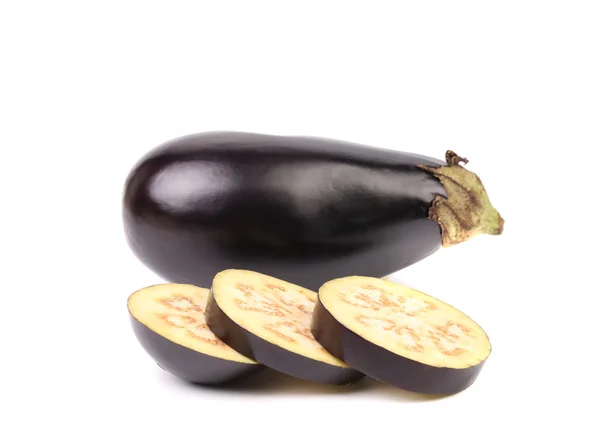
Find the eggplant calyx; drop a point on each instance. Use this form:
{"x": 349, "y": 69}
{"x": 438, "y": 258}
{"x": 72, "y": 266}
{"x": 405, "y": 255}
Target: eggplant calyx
{"x": 467, "y": 211}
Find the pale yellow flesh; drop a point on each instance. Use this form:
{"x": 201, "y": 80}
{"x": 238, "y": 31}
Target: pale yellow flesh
{"x": 405, "y": 321}
{"x": 272, "y": 309}
{"x": 176, "y": 312}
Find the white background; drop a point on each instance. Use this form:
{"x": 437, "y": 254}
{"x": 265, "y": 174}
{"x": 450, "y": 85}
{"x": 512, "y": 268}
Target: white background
{"x": 86, "y": 88}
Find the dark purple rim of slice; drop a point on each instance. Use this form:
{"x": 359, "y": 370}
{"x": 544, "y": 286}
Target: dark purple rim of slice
{"x": 385, "y": 366}
{"x": 272, "y": 355}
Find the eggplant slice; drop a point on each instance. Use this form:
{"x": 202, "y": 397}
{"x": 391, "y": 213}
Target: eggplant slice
{"x": 268, "y": 319}
{"x": 168, "y": 321}
{"x": 399, "y": 336}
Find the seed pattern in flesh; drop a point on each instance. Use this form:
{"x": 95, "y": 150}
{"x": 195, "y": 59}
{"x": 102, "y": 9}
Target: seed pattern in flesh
{"x": 443, "y": 337}
{"x": 278, "y": 306}
{"x": 445, "y": 340}
{"x": 291, "y": 327}
{"x": 183, "y": 304}
{"x": 409, "y": 307}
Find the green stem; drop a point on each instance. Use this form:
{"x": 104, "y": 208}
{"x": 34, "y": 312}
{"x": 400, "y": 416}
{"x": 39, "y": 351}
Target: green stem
{"x": 467, "y": 212}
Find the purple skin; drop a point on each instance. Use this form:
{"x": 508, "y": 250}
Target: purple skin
{"x": 272, "y": 355}
{"x": 302, "y": 209}
{"x": 187, "y": 364}
{"x": 385, "y": 366}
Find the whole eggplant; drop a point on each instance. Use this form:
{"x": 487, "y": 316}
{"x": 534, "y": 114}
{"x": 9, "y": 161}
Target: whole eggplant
{"x": 304, "y": 209}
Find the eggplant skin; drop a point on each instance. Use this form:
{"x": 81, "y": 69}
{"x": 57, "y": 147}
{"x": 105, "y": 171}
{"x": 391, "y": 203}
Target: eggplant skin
{"x": 385, "y": 366}
{"x": 303, "y": 209}
{"x": 273, "y": 356}
{"x": 190, "y": 365}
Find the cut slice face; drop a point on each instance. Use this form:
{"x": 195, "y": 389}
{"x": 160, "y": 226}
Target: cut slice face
{"x": 399, "y": 335}
{"x": 169, "y": 322}
{"x": 269, "y": 320}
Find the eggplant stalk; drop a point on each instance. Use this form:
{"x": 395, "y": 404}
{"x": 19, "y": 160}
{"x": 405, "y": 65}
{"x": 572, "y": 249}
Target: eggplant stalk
{"x": 467, "y": 211}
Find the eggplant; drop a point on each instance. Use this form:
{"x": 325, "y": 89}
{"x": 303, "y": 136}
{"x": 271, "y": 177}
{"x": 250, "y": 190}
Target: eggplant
{"x": 399, "y": 336}
{"x": 268, "y": 320}
{"x": 168, "y": 321}
{"x": 303, "y": 209}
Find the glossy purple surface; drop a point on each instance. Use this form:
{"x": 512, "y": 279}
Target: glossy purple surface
{"x": 306, "y": 210}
